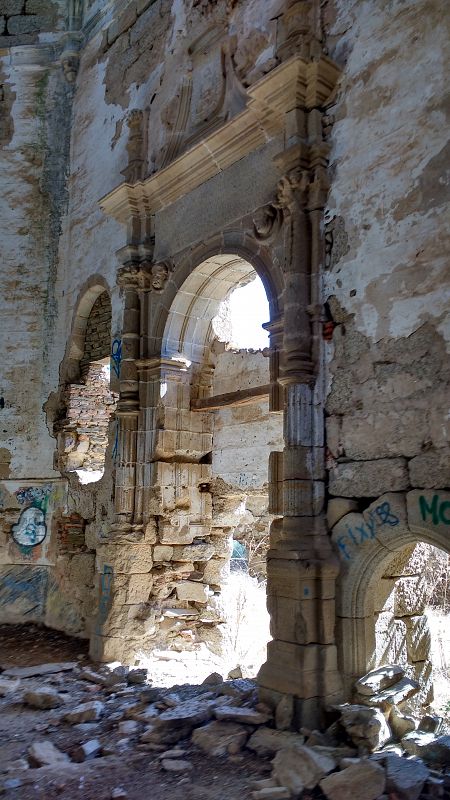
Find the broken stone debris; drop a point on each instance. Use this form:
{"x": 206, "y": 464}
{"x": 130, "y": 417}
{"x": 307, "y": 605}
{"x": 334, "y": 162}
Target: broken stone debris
{"x": 354, "y": 759}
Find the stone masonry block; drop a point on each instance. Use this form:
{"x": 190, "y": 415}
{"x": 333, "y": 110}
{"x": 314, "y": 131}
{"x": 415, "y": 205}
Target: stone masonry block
{"x": 301, "y": 621}
{"x": 24, "y": 24}
{"x": 130, "y": 559}
{"x": 288, "y": 579}
{"x": 191, "y": 590}
{"x": 163, "y": 553}
{"x": 430, "y": 470}
{"x": 10, "y": 7}
{"x": 139, "y": 588}
{"x": 300, "y": 669}
{"x": 410, "y": 596}
{"x": 418, "y": 638}
{"x": 194, "y": 552}
{"x": 369, "y": 478}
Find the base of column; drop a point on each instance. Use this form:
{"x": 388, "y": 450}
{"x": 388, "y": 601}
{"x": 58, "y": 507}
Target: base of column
{"x": 308, "y": 672}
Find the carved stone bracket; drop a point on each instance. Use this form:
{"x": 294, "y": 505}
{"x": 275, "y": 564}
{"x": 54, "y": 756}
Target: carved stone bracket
{"x": 145, "y": 276}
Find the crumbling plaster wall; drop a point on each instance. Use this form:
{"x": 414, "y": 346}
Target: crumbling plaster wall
{"x": 387, "y": 278}
{"x": 33, "y": 156}
{"x": 243, "y": 437}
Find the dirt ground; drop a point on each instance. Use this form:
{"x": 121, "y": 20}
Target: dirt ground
{"x": 138, "y": 772}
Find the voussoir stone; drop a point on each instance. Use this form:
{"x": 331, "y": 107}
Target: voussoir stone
{"x": 85, "y": 712}
{"x": 363, "y": 781}
{"x": 220, "y": 738}
{"x": 300, "y": 768}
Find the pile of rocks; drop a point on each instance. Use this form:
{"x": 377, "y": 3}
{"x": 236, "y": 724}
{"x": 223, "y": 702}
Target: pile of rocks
{"x": 372, "y": 750}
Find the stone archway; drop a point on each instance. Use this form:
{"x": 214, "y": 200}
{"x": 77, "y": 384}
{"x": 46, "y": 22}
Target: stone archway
{"x": 278, "y": 141}
{"x": 370, "y": 545}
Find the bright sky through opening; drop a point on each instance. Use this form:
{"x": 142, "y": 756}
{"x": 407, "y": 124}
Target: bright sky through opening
{"x": 249, "y": 309}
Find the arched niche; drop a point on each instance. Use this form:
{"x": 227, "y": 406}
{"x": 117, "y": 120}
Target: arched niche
{"x": 372, "y": 547}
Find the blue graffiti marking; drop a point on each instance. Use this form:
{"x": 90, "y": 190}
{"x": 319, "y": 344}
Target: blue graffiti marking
{"x": 31, "y": 529}
{"x": 382, "y": 515}
{"x": 116, "y": 356}
{"x": 116, "y": 442}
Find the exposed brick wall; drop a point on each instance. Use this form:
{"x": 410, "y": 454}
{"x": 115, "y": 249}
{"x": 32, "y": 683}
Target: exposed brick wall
{"x": 97, "y": 345}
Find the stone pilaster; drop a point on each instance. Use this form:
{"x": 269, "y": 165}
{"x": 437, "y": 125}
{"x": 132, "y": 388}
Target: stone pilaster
{"x": 302, "y": 568}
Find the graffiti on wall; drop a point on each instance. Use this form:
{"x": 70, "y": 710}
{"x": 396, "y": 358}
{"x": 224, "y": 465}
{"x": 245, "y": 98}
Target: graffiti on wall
{"x": 116, "y": 356}
{"x": 31, "y": 528}
{"x": 437, "y": 510}
{"x": 367, "y": 530}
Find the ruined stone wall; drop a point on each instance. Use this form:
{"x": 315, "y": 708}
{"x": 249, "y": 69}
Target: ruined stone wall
{"x": 97, "y": 339}
{"x": 386, "y": 282}
{"x": 34, "y": 147}
{"x": 243, "y": 437}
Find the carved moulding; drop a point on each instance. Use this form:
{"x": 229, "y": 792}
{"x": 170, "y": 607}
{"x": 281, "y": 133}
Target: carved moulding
{"x": 296, "y": 83}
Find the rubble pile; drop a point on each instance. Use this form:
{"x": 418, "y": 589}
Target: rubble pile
{"x": 374, "y": 749}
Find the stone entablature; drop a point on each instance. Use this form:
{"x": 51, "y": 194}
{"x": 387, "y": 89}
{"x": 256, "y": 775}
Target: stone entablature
{"x": 294, "y": 84}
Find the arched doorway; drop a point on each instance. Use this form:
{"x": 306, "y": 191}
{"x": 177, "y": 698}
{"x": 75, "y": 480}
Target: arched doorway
{"x": 213, "y": 436}
{"x": 381, "y": 589}
{"x": 88, "y": 400}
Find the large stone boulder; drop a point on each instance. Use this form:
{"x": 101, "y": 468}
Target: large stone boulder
{"x": 300, "y": 768}
{"x": 362, "y": 781}
{"x": 220, "y": 738}
{"x": 366, "y": 727}
{"x": 379, "y": 679}
{"x": 405, "y": 777}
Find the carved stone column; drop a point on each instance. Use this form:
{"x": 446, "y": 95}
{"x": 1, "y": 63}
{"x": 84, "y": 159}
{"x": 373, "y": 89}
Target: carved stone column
{"x": 302, "y": 568}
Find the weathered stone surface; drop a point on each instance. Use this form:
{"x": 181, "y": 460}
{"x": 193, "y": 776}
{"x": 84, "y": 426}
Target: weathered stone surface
{"x": 363, "y": 781}
{"x": 401, "y": 724}
{"x": 241, "y": 714}
{"x": 43, "y": 698}
{"x": 300, "y": 768}
{"x": 8, "y": 685}
{"x": 46, "y": 754}
{"x": 190, "y": 590}
{"x": 87, "y": 750}
{"x": 284, "y": 713}
{"x": 271, "y": 793}
{"x": 176, "y": 765}
{"x": 433, "y": 750}
{"x": 85, "y": 712}
{"x": 405, "y": 777}
{"x": 265, "y": 742}
{"x": 398, "y": 693}
{"x": 39, "y": 669}
{"x": 379, "y": 679}
{"x": 369, "y": 478}
{"x": 430, "y": 470}
{"x": 220, "y": 738}
{"x": 366, "y": 727}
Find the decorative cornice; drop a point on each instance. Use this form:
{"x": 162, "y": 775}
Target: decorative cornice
{"x": 296, "y": 83}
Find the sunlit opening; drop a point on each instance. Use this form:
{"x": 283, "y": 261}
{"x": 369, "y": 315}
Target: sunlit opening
{"x": 240, "y": 318}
